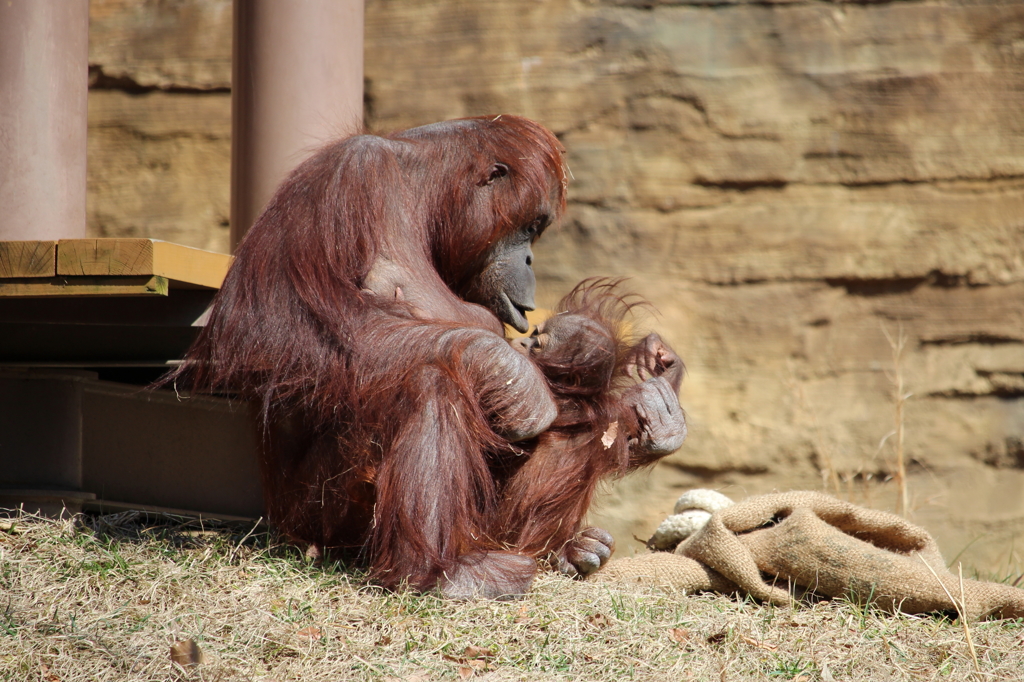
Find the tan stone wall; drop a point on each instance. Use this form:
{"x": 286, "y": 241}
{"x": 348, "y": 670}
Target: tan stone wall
{"x": 160, "y": 120}
{"x": 787, "y": 182}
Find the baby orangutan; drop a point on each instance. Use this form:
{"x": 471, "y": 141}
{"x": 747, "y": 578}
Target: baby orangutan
{"x": 618, "y": 410}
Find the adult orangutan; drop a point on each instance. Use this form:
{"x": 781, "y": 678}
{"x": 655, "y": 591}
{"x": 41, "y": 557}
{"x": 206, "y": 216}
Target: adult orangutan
{"x": 363, "y": 318}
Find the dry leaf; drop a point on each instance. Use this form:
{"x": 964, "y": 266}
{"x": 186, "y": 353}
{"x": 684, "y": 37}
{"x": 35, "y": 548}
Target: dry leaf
{"x": 383, "y": 641}
{"x": 679, "y": 635}
{"x": 312, "y": 632}
{"x": 599, "y": 620}
{"x": 469, "y": 668}
{"x": 186, "y": 653}
{"x": 478, "y": 652}
{"x": 470, "y": 664}
{"x": 610, "y": 434}
{"x": 759, "y": 644}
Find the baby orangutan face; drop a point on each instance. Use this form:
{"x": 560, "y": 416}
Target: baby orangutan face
{"x": 571, "y": 349}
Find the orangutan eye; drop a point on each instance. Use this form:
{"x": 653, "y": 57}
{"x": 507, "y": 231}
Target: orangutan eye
{"x": 498, "y": 170}
{"x": 533, "y": 230}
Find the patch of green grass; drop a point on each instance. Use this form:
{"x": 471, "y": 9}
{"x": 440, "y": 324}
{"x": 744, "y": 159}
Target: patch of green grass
{"x": 787, "y": 669}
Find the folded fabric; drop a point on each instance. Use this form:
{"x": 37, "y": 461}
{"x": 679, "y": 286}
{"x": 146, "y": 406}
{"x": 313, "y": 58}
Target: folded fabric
{"x": 765, "y": 546}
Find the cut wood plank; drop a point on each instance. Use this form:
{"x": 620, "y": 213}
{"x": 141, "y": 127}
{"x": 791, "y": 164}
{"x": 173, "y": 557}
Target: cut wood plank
{"x": 143, "y": 285}
{"x": 99, "y": 257}
{"x": 192, "y": 266}
{"x": 135, "y": 257}
{"x": 28, "y": 259}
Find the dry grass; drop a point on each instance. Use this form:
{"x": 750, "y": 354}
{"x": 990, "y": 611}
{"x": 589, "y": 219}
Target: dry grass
{"x": 106, "y": 598}
{"x": 900, "y": 397}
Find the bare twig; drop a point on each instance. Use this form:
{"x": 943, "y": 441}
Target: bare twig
{"x": 234, "y": 551}
{"x": 900, "y": 396}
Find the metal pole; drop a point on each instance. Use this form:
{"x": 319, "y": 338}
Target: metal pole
{"x": 44, "y": 83}
{"x": 297, "y": 82}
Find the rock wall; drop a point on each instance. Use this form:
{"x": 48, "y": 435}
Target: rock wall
{"x": 795, "y": 185}
{"x": 160, "y": 120}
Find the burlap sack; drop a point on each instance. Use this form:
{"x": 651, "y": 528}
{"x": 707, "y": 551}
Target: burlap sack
{"x": 765, "y": 545}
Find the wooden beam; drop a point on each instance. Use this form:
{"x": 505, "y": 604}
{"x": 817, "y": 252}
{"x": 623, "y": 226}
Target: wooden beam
{"x": 139, "y": 257}
{"x": 192, "y": 266}
{"x": 143, "y": 285}
{"x": 28, "y": 259}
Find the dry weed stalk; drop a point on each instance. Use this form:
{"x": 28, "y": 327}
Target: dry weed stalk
{"x": 967, "y": 630}
{"x": 900, "y": 397}
{"x": 961, "y": 609}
